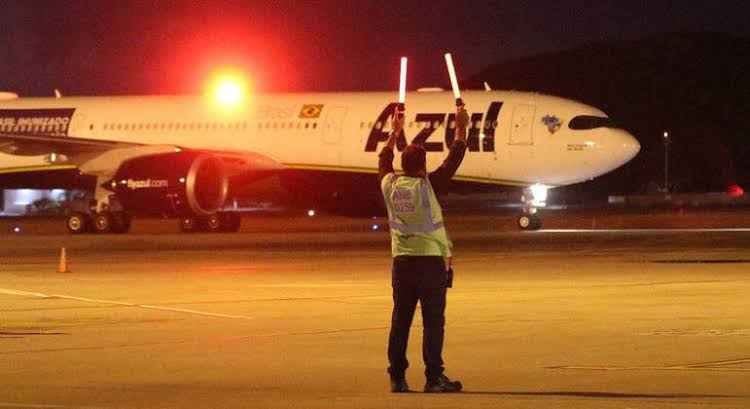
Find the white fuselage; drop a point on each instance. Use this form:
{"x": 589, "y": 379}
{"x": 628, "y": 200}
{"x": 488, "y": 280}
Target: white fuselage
{"x": 516, "y": 138}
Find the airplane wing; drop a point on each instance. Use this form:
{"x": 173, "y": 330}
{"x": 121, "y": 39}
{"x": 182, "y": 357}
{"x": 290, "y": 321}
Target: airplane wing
{"x": 31, "y": 145}
{"x": 103, "y": 157}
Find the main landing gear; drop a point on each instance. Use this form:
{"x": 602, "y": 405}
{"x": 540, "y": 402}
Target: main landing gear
{"x": 533, "y": 197}
{"x": 103, "y": 222}
{"x": 226, "y": 222}
{"x": 104, "y": 214}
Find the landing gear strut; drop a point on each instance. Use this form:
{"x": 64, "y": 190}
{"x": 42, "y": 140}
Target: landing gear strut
{"x": 104, "y": 214}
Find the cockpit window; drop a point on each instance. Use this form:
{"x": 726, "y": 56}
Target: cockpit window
{"x": 590, "y": 122}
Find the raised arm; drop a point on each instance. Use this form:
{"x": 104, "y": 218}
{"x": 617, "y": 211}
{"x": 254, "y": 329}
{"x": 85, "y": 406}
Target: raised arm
{"x": 440, "y": 178}
{"x": 385, "y": 158}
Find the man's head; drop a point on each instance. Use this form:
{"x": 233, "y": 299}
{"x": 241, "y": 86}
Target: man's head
{"x": 414, "y": 159}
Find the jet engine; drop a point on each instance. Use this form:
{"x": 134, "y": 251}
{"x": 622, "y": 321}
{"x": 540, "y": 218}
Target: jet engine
{"x": 183, "y": 183}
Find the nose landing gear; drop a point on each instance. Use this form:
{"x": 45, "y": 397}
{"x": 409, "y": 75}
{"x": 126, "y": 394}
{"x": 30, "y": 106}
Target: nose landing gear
{"x": 533, "y": 197}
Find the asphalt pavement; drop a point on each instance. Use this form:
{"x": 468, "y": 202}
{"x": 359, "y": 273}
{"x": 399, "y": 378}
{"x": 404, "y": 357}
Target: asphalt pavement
{"x": 299, "y": 318}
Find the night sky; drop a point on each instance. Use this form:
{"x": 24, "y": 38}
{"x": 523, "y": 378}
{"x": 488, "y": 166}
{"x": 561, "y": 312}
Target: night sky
{"x": 158, "y": 47}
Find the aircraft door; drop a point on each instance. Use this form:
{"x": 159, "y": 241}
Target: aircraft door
{"x": 77, "y": 127}
{"x": 520, "y": 130}
{"x": 333, "y": 125}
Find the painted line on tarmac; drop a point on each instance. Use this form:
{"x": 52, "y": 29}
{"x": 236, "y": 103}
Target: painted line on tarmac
{"x": 195, "y": 341}
{"x": 43, "y": 406}
{"x": 717, "y": 363}
{"x": 715, "y": 366}
{"x": 727, "y": 230}
{"x": 122, "y": 304}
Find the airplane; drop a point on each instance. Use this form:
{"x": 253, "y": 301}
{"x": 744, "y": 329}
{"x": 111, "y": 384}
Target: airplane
{"x": 188, "y": 156}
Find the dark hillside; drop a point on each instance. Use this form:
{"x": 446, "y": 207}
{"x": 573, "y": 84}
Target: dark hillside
{"x": 695, "y": 85}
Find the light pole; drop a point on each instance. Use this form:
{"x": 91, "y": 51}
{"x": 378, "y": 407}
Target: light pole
{"x": 666, "y": 162}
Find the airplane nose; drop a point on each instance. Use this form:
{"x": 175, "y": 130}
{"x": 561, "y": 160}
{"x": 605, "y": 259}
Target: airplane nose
{"x": 630, "y": 146}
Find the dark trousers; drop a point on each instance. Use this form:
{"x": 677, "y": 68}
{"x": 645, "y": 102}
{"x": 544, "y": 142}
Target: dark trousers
{"x": 423, "y": 279}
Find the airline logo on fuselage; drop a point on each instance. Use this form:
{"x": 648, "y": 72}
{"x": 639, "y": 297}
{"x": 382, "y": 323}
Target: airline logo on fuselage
{"x": 480, "y": 137}
{"x": 52, "y": 122}
{"x": 147, "y": 184}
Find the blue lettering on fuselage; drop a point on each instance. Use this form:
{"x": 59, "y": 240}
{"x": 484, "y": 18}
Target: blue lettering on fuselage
{"x": 480, "y": 137}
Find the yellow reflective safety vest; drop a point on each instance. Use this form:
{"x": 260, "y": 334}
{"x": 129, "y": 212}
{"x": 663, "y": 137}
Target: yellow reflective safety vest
{"x": 415, "y": 217}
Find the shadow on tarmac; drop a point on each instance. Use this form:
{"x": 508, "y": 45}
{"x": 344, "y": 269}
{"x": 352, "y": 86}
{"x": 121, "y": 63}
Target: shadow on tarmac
{"x": 612, "y": 395}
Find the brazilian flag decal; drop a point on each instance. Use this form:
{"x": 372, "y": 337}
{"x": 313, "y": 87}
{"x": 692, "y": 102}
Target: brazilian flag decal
{"x": 310, "y": 111}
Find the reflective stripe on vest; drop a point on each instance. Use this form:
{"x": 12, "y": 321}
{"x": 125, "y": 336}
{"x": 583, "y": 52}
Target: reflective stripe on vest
{"x": 428, "y": 225}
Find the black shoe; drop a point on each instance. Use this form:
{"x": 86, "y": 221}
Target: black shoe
{"x": 442, "y": 384}
{"x": 399, "y": 385}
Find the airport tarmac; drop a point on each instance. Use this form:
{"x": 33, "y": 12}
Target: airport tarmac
{"x": 299, "y": 318}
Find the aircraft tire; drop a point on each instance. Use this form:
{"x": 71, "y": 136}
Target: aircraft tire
{"x": 524, "y": 222}
{"x": 232, "y": 222}
{"x": 213, "y": 223}
{"x": 78, "y": 223}
{"x": 528, "y": 222}
{"x": 536, "y": 223}
{"x": 103, "y": 223}
{"x": 120, "y": 222}
{"x": 189, "y": 224}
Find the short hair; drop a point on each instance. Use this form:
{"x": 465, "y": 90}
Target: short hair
{"x": 414, "y": 158}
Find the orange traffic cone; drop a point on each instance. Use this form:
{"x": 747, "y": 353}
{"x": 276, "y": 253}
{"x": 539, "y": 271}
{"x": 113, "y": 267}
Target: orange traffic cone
{"x": 63, "y": 266}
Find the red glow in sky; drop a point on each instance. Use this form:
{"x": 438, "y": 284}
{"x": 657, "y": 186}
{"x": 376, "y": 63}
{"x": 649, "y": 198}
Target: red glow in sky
{"x": 229, "y": 87}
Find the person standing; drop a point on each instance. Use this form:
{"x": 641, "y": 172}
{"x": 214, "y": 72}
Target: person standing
{"x": 421, "y": 251}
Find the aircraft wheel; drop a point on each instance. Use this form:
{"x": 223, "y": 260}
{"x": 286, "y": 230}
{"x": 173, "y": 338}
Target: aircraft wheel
{"x": 120, "y": 222}
{"x": 188, "y": 224}
{"x": 232, "y": 222}
{"x": 536, "y": 223}
{"x": 527, "y": 222}
{"x": 78, "y": 223}
{"x": 213, "y": 223}
{"x": 102, "y": 223}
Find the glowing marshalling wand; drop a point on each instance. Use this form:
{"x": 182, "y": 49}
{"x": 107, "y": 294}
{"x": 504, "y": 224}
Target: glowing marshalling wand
{"x": 402, "y": 89}
{"x": 454, "y": 81}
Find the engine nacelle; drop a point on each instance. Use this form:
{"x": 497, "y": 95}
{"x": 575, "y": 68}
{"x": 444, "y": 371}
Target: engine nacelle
{"x": 176, "y": 184}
